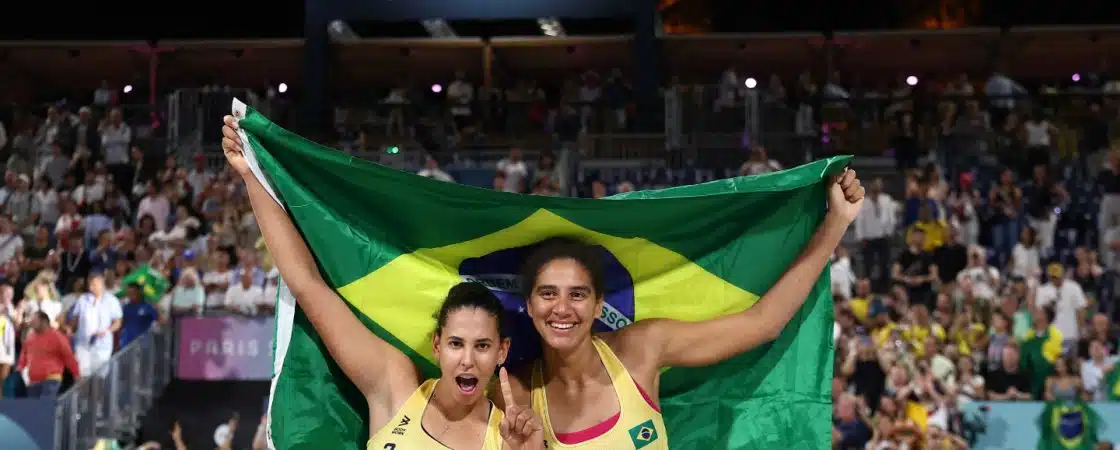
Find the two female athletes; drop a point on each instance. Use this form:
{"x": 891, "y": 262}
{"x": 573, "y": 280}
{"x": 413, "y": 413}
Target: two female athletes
{"x": 588, "y": 390}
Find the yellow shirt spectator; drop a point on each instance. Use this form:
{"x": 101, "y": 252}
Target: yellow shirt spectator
{"x": 916, "y": 336}
{"x": 883, "y": 333}
{"x": 859, "y": 307}
{"x": 937, "y": 231}
{"x": 969, "y": 338}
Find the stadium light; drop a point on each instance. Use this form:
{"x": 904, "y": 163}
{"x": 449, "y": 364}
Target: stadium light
{"x": 550, "y": 26}
{"x": 437, "y": 88}
{"x": 911, "y": 80}
{"x": 1076, "y": 77}
{"x": 282, "y": 88}
{"x": 439, "y": 28}
{"x": 127, "y": 88}
{"x": 341, "y": 31}
{"x": 751, "y": 83}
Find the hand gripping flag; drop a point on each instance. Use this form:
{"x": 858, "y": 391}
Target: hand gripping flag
{"x": 392, "y": 244}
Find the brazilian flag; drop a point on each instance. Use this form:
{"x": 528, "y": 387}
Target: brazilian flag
{"x": 1111, "y": 385}
{"x": 152, "y": 283}
{"x": 1067, "y": 425}
{"x": 1039, "y": 351}
{"x": 392, "y": 244}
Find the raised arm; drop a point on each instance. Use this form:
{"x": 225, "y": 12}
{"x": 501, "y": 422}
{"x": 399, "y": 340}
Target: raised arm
{"x": 373, "y": 365}
{"x": 679, "y": 343}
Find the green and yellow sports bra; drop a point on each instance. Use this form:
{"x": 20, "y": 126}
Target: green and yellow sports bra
{"x": 404, "y": 431}
{"x": 638, "y": 425}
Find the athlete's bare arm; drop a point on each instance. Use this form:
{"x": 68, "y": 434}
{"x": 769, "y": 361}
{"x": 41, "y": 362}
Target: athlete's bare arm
{"x": 376, "y": 367}
{"x": 648, "y": 345}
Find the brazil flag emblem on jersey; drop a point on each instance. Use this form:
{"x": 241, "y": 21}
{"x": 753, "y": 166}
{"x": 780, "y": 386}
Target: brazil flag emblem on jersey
{"x": 392, "y": 244}
{"x": 643, "y": 434}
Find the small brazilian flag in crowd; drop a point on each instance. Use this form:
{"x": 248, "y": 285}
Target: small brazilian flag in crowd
{"x": 1112, "y": 384}
{"x": 152, "y": 283}
{"x": 1067, "y": 425}
{"x": 392, "y": 244}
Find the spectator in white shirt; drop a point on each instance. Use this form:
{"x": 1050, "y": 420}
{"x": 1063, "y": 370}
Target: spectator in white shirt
{"x": 42, "y": 295}
{"x": 157, "y": 205}
{"x": 115, "y": 137}
{"x": 95, "y": 318}
{"x": 843, "y": 278}
{"x": 432, "y": 170}
{"x": 11, "y": 243}
{"x": 514, "y": 170}
{"x": 1025, "y": 257}
{"x": 7, "y": 340}
{"x": 70, "y": 221}
{"x": 978, "y": 276}
{"x": 188, "y": 297}
{"x": 874, "y": 227}
{"x": 218, "y": 278}
{"x": 271, "y": 292}
{"x": 198, "y": 177}
{"x": 1068, "y": 301}
{"x": 460, "y": 95}
{"x": 759, "y": 163}
{"x": 103, "y": 96}
{"x": 244, "y": 296}
{"x": 90, "y": 192}
{"x": 1001, "y": 91}
{"x": 1094, "y": 370}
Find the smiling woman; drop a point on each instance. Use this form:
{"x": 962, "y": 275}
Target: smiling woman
{"x": 468, "y": 344}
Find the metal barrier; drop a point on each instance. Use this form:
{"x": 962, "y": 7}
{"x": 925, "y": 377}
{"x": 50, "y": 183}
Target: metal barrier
{"x": 113, "y": 401}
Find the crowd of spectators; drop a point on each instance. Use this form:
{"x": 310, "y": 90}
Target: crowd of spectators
{"x": 990, "y": 278}
{"x": 83, "y": 206}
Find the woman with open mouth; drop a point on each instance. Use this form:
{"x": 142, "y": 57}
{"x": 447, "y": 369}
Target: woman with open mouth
{"x": 600, "y": 391}
{"x": 404, "y": 412}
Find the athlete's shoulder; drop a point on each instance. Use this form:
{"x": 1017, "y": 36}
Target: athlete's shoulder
{"x": 636, "y": 340}
{"x": 636, "y": 346}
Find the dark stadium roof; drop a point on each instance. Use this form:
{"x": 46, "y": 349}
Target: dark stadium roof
{"x": 425, "y": 60}
{"x": 284, "y": 19}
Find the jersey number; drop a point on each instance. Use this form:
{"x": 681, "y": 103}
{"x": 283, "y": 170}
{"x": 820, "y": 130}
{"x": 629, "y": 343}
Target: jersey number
{"x": 390, "y": 446}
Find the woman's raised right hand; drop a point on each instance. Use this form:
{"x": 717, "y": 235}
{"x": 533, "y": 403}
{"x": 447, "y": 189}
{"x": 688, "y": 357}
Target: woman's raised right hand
{"x": 231, "y": 146}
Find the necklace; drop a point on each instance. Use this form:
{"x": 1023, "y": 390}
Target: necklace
{"x": 439, "y": 437}
{"x": 72, "y": 260}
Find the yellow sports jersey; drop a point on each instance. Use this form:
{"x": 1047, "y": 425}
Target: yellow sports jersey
{"x": 883, "y": 333}
{"x": 639, "y": 425}
{"x": 936, "y": 233}
{"x": 404, "y": 431}
{"x": 859, "y": 307}
{"x": 917, "y": 334}
{"x": 965, "y": 339}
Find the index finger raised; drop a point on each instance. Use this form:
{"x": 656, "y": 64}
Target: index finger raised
{"x": 507, "y": 393}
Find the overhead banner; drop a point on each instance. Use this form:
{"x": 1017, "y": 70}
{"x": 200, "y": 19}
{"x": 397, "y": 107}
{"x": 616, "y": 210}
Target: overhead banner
{"x": 225, "y": 348}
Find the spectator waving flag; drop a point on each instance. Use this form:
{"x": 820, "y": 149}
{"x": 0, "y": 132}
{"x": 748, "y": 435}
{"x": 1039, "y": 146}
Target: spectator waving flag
{"x": 392, "y": 244}
{"x": 1067, "y": 425}
{"x": 152, "y": 283}
{"x": 1112, "y": 384}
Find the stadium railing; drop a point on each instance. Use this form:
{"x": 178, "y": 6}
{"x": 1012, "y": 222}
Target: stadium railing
{"x": 112, "y": 402}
